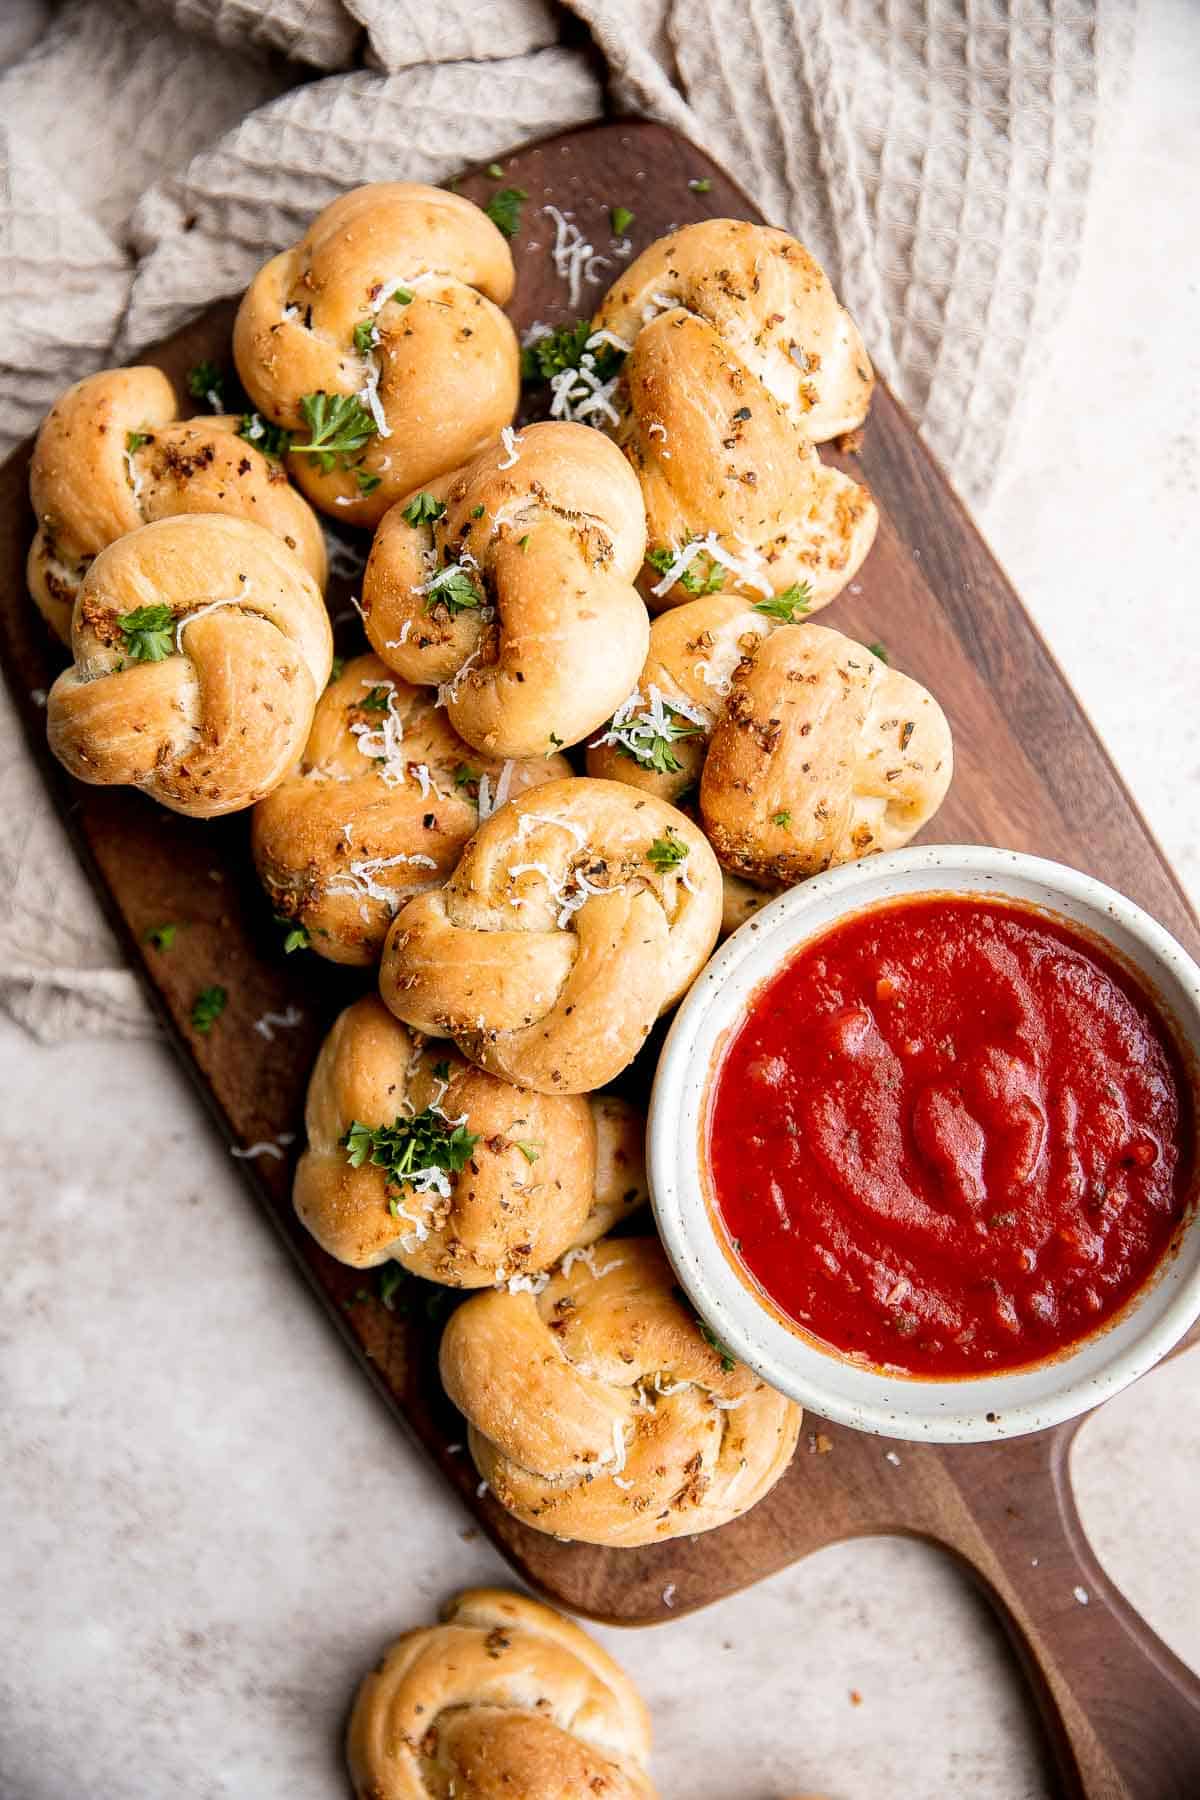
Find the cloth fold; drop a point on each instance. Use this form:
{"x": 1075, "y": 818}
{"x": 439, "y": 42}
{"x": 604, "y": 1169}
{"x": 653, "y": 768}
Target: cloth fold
{"x": 935, "y": 157}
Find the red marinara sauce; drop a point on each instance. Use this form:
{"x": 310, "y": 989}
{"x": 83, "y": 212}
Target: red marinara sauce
{"x": 951, "y": 1137}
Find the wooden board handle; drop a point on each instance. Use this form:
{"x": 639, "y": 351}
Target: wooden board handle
{"x": 1121, "y": 1710}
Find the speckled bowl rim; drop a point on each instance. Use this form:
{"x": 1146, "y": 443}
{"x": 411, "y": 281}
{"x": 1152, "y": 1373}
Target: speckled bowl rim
{"x": 969, "y": 1409}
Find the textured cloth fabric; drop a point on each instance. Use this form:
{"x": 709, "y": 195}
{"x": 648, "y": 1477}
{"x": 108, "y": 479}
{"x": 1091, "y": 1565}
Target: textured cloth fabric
{"x": 936, "y": 155}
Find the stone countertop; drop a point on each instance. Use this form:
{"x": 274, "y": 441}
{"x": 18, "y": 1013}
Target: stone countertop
{"x": 211, "y": 1525}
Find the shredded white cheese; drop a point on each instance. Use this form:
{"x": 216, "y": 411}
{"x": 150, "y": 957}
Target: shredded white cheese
{"x": 359, "y": 878}
{"x": 588, "y": 1258}
{"x": 212, "y": 606}
{"x": 728, "y": 1405}
{"x": 638, "y": 723}
{"x": 267, "y": 1025}
{"x": 605, "y": 336}
{"x": 448, "y": 690}
{"x": 529, "y": 822}
{"x": 512, "y": 455}
{"x": 668, "y": 1594}
{"x": 575, "y": 260}
{"x": 522, "y": 1284}
{"x": 262, "y": 1149}
{"x": 580, "y": 396}
{"x": 747, "y": 567}
{"x": 383, "y": 743}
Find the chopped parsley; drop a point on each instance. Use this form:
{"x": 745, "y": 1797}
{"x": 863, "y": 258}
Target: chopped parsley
{"x": 529, "y": 1151}
{"x": 702, "y": 186}
{"x": 496, "y": 171}
{"x": 728, "y": 1359}
{"x": 207, "y": 382}
{"x": 367, "y": 483}
{"x": 335, "y": 670}
{"x": 149, "y": 633}
{"x": 647, "y": 741}
{"x": 273, "y": 440}
{"x": 161, "y": 936}
{"x": 881, "y": 651}
{"x": 692, "y": 579}
{"x": 504, "y": 209}
{"x": 441, "y": 1071}
{"x": 423, "y": 510}
{"x": 134, "y": 441}
{"x": 402, "y": 1293}
{"x": 457, "y": 592}
{"x": 785, "y": 606}
{"x": 403, "y": 296}
{"x": 366, "y": 336}
{"x": 556, "y": 743}
{"x": 621, "y": 219}
{"x": 477, "y": 512}
{"x": 296, "y": 936}
{"x": 338, "y": 424}
{"x": 523, "y": 543}
{"x": 782, "y": 819}
{"x": 207, "y": 1008}
{"x": 464, "y": 775}
{"x": 565, "y": 348}
{"x": 667, "y": 852}
{"x": 410, "y": 1146}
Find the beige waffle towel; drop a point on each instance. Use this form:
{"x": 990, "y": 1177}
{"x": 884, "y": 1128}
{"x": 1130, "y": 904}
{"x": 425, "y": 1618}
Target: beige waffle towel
{"x": 935, "y": 155}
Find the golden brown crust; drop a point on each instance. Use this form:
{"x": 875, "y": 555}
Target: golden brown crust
{"x": 547, "y": 1173}
{"x": 548, "y": 529}
{"x": 742, "y": 360}
{"x": 561, "y": 936}
{"x": 600, "y": 1411}
{"x": 88, "y": 486}
{"x": 447, "y": 359}
{"x": 379, "y": 808}
{"x": 506, "y": 1700}
{"x": 216, "y": 723}
{"x": 808, "y": 749}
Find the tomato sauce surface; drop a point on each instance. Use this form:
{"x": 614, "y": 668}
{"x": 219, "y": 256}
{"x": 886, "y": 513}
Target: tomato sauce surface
{"x": 951, "y": 1137}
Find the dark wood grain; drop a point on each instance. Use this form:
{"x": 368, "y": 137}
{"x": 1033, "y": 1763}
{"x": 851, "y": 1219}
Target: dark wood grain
{"x": 1122, "y": 1713}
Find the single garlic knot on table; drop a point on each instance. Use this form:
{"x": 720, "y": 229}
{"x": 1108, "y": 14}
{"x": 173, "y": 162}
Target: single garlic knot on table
{"x": 200, "y": 646}
{"x": 509, "y": 587}
{"x": 578, "y": 914}
{"x": 391, "y": 301}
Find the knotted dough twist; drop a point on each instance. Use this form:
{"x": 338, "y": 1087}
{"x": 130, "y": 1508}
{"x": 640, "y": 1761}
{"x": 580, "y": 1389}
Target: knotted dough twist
{"x": 545, "y": 1173}
{"x": 392, "y": 294}
{"x": 237, "y": 646}
{"x": 578, "y": 914}
{"x": 741, "y": 360}
{"x": 808, "y": 749}
{"x": 518, "y": 598}
{"x": 506, "y": 1700}
{"x": 600, "y": 1410}
{"x": 113, "y": 454}
{"x": 378, "y": 808}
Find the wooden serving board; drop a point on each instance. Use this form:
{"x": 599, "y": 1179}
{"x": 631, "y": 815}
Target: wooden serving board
{"x": 1122, "y": 1713}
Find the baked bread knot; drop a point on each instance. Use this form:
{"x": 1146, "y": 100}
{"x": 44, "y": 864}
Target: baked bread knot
{"x": 511, "y": 586}
{"x": 577, "y": 915}
{"x": 113, "y": 454}
{"x": 506, "y": 1700}
{"x": 378, "y": 808}
{"x": 385, "y": 318}
{"x": 417, "y": 1156}
{"x": 741, "y": 359}
{"x": 601, "y": 1409}
{"x": 200, "y": 645}
{"x": 807, "y": 748}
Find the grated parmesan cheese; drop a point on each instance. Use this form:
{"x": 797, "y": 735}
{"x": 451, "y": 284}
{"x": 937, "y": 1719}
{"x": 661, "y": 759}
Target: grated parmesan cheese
{"x": 252, "y": 1150}
{"x": 285, "y": 1021}
{"x": 510, "y": 440}
{"x": 360, "y": 879}
{"x": 212, "y": 606}
{"x": 575, "y": 260}
{"x": 747, "y": 567}
{"x": 588, "y": 1258}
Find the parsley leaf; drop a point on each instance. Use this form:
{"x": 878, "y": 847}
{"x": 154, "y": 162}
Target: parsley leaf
{"x": 297, "y": 937}
{"x": 648, "y": 745}
{"x": 273, "y": 440}
{"x": 496, "y": 171}
{"x": 148, "y": 632}
{"x": 134, "y": 441}
{"x": 410, "y": 1146}
{"x": 401, "y": 1292}
{"x": 338, "y": 424}
{"x": 692, "y": 579}
{"x": 464, "y": 775}
{"x": 504, "y": 210}
{"x": 620, "y": 219}
{"x": 529, "y": 1150}
{"x": 556, "y": 743}
{"x": 366, "y": 336}
{"x": 161, "y": 936}
{"x": 782, "y": 819}
{"x": 667, "y": 852}
{"x": 423, "y": 510}
{"x": 881, "y": 651}
{"x": 207, "y": 1008}
{"x": 785, "y": 606}
{"x": 207, "y": 382}
{"x": 403, "y": 296}
{"x": 376, "y": 700}
{"x": 565, "y": 348}
{"x": 367, "y": 483}
{"x": 700, "y": 187}
{"x": 457, "y": 593}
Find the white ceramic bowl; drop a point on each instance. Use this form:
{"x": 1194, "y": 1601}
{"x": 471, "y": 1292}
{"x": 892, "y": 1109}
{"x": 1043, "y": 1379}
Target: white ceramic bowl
{"x": 967, "y": 1408}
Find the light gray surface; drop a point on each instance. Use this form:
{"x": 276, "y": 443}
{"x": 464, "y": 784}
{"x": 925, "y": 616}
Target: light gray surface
{"x": 211, "y": 1526}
